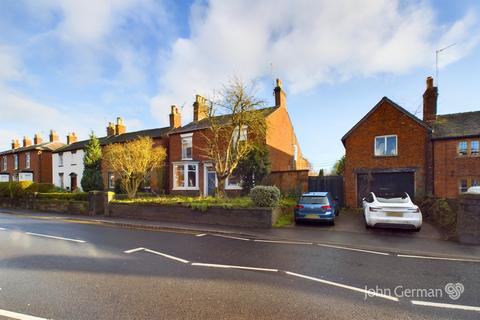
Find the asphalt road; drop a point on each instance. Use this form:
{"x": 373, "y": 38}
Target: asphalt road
{"x": 93, "y": 271}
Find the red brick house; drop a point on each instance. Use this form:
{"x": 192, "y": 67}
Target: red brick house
{"x": 192, "y": 172}
{"x": 31, "y": 161}
{"x": 392, "y": 150}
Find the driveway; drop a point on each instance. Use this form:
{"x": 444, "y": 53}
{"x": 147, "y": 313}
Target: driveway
{"x": 353, "y": 221}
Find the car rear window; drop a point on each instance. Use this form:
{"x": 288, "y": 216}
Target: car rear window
{"x": 392, "y": 197}
{"x": 314, "y": 200}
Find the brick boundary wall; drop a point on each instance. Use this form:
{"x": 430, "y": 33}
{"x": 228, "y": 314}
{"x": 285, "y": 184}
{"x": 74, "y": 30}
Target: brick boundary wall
{"x": 47, "y": 205}
{"x": 244, "y": 217}
{"x": 468, "y": 219}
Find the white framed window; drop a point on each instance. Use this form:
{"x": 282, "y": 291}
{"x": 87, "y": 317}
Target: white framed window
{"x": 234, "y": 182}
{"x": 187, "y": 146}
{"x": 111, "y": 180}
{"x": 386, "y": 145}
{"x": 4, "y": 163}
{"x": 463, "y": 185}
{"x": 61, "y": 181}
{"x": 27, "y": 160}
{"x": 241, "y": 135}
{"x": 295, "y": 152}
{"x": 60, "y": 159}
{"x": 474, "y": 148}
{"x": 462, "y": 148}
{"x": 185, "y": 176}
{"x": 15, "y": 161}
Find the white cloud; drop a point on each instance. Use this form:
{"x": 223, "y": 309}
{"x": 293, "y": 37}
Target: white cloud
{"x": 308, "y": 43}
{"x": 10, "y": 65}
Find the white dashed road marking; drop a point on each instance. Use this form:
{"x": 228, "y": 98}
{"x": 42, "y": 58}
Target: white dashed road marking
{"x": 201, "y": 235}
{"x": 282, "y": 242}
{"x": 3, "y": 229}
{"x": 19, "y": 316}
{"x": 353, "y": 249}
{"x": 366, "y": 292}
{"x": 445, "y": 305}
{"x": 436, "y": 258}
{"x": 134, "y": 250}
{"x": 226, "y": 266}
{"x": 54, "y": 237}
{"x": 230, "y": 237}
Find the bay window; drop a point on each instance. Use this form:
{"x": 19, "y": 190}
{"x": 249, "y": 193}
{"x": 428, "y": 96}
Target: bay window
{"x": 185, "y": 176}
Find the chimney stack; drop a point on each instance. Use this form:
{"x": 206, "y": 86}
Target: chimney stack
{"x": 15, "y": 144}
{"x": 200, "y": 109}
{"x": 430, "y": 102}
{"x": 280, "y": 97}
{"x": 120, "y": 127}
{"x": 26, "y": 141}
{"x": 175, "y": 118}
{"x": 37, "y": 139}
{"x": 110, "y": 129}
{"x": 53, "y": 136}
{"x": 71, "y": 138}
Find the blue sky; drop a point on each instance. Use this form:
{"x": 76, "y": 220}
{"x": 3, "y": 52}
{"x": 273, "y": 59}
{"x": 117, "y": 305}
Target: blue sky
{"x": 71, "y": 66}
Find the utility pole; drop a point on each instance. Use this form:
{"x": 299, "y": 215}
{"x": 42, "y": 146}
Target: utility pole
{"x": 436, "y": 59}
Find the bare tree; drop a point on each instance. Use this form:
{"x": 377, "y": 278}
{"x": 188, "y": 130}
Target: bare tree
{"x": 236, "y": 126}
{"x": 134, "y": 161}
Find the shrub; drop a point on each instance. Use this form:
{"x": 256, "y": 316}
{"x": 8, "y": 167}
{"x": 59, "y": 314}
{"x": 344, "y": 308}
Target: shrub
{"x": 265, "y": 196}
{"x": 4, "y": 189}
{"x": 41, "y": 187}
{"x": 18, "y": 189}
{"x": 78, "y": 196}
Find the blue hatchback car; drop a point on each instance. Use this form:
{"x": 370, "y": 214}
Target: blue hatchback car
{"x": 316, "y": 206}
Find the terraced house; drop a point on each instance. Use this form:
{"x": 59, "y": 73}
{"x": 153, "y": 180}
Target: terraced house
{"x": 29, "y": 161}
{"x": 192, "y": 172}
{"x": 391, "y": 150}
{"x": 68, "y": 161}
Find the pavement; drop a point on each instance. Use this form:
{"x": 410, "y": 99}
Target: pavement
{"x": 349, "y": 231}
{"x": 57, "y": 267}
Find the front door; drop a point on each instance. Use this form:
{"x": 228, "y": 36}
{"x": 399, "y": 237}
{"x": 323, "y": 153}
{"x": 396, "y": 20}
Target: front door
{"x": 210, "y": 181}
{"x": 73, "y": 182}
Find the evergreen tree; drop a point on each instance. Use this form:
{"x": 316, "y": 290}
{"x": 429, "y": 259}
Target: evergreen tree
{"x": 321, "y": 173}
{"x": 253, "y": 168}
{"x": 92, "y": 162}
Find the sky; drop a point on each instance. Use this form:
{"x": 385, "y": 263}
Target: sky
{"x": 73, "y": 65}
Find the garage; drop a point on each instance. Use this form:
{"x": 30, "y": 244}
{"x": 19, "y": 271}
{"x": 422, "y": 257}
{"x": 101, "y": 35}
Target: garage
{"x": 385, "y": 182}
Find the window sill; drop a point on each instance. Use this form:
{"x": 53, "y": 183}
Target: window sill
{"x": 187, "y": 159}
{"x": 385, "y": 156}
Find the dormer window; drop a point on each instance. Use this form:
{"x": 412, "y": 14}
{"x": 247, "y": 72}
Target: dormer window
{"x": 187, "y": 146}
{"x": 386, "y": 146}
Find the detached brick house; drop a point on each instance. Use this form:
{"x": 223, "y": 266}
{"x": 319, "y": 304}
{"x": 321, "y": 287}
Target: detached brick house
{"x": 31, "y": 161}
{"x": 68, "y": 161}
{"x": 193, "y": 173}
{"x": 391, "y": 150}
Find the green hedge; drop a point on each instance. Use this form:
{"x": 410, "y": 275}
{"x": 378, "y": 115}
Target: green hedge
{"x": 22, "y": 189}
{"x": 265, "y": 196}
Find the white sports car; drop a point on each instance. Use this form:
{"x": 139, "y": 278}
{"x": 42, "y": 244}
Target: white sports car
{"x": 391, "y": 210}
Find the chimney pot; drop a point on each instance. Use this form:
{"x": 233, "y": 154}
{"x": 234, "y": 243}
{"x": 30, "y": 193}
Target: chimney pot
{"x": 15, "y": 144}
{"x": 26, "y": 141}
{"x": 110, "y": 129}
{"x": 429, "y": 82}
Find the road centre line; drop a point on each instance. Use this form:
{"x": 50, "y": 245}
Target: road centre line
{"x": 226, "y": 266}
{"x": 201, "y": 235}
{"x": 19, "y": 316}
{"x": 436, "y": 258}
{"x": 54, "y": 237}
{"x": 353, "y": 249}
{"x": 283, "y": 242}
{"x": 445, "y": 305}
{"x": 229, "y": 237}
{"x": 167, "y": 256}
{"x": 367, "y": 292}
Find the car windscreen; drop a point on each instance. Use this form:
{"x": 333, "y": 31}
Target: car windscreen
{"x": 314, "y": 200}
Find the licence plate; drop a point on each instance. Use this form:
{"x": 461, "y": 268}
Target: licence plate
{"x": 311, "y": 216}
{"x": 394, "y": 214}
